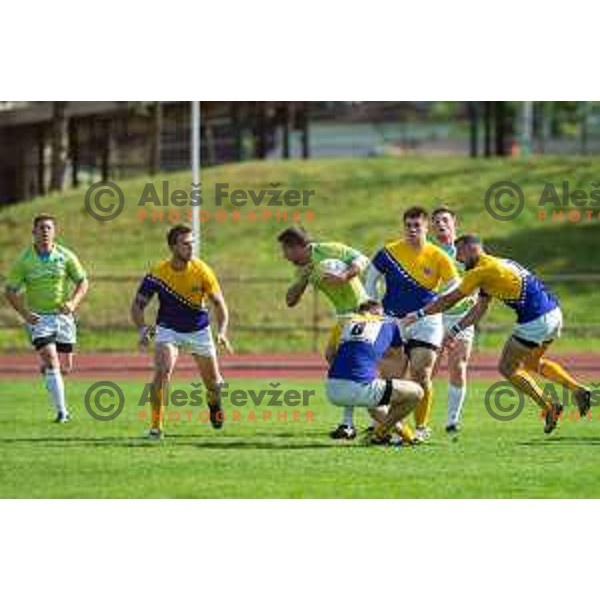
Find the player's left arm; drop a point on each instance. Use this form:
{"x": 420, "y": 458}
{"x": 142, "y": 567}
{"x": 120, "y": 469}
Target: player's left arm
{"x": 222, "y": 314}
{"x": 78, "y": 275}
{"x": 356, "y": 261}
{"x": 213, "y": 291}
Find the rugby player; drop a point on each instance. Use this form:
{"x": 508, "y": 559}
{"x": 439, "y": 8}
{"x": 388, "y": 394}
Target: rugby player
{"x": 443, "y": 225}
{"x": 182, "y": 284}
{"x": 413, "y": 272}
{"x": 46, "y": 286}
{"x": 356, "y": 349}
{"x": 539, "y": 323}
{"x": 345, "y": 291}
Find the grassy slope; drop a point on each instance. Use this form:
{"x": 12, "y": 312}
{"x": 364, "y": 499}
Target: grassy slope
{"x": 87, "y": 458}
{"x": 356, "y": 201}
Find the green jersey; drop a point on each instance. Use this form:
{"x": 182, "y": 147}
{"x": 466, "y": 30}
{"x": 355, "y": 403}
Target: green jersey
{"x": 345, "y": 297}
{"x": 465, "y": 305}
{"x": 45, "y": 278}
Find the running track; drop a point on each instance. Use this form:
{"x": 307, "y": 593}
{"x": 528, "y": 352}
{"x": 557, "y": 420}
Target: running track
{"x": 268, "y": 366}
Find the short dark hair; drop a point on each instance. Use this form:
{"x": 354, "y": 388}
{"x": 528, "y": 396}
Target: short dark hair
{"x": 468, "y": 238}
{"x": 414, "y": 212}
{"x": 294, "y": 236}
{"x": 442, "y": 209}
{"x": 43, "y": 217}
{"x": 175, "y": 232}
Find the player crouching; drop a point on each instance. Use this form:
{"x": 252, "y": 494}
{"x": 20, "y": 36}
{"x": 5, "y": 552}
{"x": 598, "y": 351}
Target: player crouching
{"x": 356, "y": 348}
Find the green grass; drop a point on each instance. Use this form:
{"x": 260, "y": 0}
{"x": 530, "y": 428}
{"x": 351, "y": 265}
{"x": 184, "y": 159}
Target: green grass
{"x": 87, "y": 458}
{"x": 357, "y": 201}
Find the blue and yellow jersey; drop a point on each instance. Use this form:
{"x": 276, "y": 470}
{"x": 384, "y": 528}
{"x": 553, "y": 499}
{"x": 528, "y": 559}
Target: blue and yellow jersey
{"x": 413, "y": 277}
{"x": 361, "y": 342}
{"x": 181, "y": 294}
{"x": 508, "y": 281}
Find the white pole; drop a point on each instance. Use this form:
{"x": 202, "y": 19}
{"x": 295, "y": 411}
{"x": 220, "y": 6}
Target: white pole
{"x": 527, "y": 128}
{"x": 196, "y": 173}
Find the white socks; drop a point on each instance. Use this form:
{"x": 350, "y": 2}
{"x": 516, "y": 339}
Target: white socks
{"x": 56, "y": 388}
{"x": 348, "y": 416}
{"x": 456, "y": 398}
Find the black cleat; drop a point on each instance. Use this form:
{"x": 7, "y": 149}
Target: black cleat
{"x": 216, "y": 415}
{"x": 343, "y": 432}
{"x": 375, "y": 440}
{"x": 62, "y": 417}
{"x": 584, "y": 402}
{"x": 552, "y": 417}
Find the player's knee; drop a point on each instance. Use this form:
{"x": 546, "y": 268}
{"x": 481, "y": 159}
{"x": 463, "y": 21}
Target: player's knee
{"x": 458, "y": 373}
{"x": 163, "y": 373}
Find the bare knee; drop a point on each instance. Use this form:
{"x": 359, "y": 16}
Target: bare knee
{"x": 458, "y": 373}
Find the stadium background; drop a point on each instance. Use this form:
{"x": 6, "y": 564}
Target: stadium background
{"x": 366, "y": 162}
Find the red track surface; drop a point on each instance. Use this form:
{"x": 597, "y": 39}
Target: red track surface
{"x": 268, "y": 366}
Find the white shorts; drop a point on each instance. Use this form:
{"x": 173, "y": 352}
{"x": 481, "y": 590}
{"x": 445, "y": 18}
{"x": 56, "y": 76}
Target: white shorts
{"x": 344, "y": 392}
{"x": 466, "y": 335}
{"x": 543, "y": 329}
{"x": 428, "y": 329}
{"x": 197, "y": 342}
{"x": 58, "y": 329}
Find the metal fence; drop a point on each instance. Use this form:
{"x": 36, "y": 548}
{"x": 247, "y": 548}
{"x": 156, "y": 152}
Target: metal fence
{"x": 261, "y": 312}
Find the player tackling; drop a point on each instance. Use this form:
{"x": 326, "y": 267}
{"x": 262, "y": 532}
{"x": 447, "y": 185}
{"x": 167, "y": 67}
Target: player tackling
{"x": 355, "y": 350}
{"x": 539, "y": 323}
{"x": 182, "y": 284}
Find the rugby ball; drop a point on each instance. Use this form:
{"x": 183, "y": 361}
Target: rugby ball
{"x": 332, "y": 266}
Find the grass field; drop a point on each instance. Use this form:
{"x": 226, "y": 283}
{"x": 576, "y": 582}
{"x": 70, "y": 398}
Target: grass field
{"x": 356, "y": 200}
{"x": 88, "y": 458}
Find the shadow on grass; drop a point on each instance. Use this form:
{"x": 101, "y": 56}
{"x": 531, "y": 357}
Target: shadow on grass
{"x": 563, "y": 441}
{"x": 184, "y": 440}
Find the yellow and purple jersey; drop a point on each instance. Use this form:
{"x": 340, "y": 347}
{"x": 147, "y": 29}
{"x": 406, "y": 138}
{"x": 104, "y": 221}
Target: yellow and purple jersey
{"x": 181, "y": 294}
{"x": 361, "y": 341}
{"x": 508, "y": 281}
{"x": 413, "y": 277}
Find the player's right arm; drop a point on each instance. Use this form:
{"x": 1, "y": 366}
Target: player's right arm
{"x": 296, "y": 290}
{"x": 17, "y": 301}
{"x": 15, "y": 285}
{"x": 374, "y": 281}
{"x": 142, "y": 297}
{"x": 473, "y": 317}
